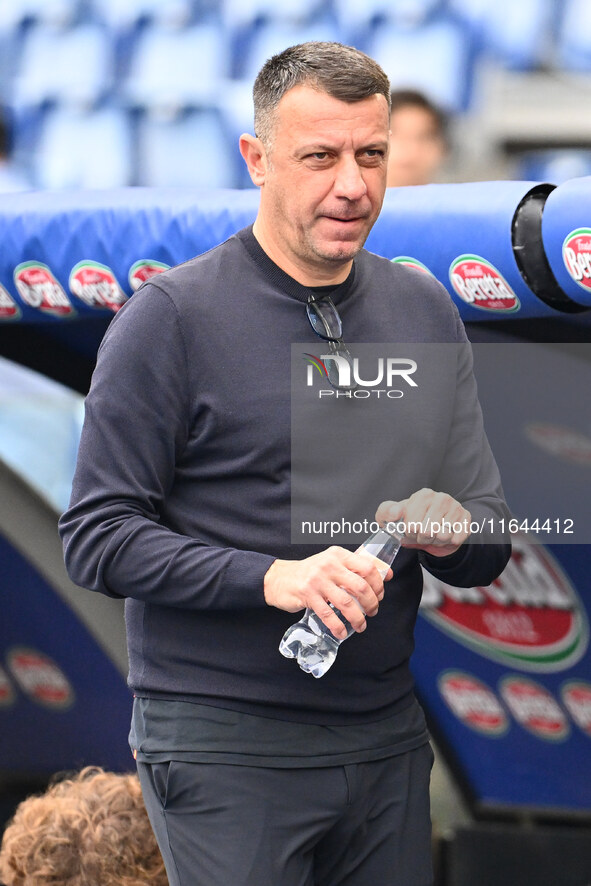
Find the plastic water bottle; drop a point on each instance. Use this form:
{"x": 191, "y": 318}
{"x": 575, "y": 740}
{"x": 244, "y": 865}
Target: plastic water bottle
{"x": 309, "y": 640}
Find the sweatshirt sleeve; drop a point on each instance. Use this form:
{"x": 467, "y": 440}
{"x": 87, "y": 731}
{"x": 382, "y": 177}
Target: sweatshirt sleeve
{"x": 137, "y": 416}
{"x": 470, "y": 474}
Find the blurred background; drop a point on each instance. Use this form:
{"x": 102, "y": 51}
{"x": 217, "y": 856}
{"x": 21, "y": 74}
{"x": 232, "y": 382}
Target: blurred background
{"x": 106, "y": 93}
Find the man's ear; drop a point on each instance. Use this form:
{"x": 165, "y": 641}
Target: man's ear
{"x": 255, "y": 158}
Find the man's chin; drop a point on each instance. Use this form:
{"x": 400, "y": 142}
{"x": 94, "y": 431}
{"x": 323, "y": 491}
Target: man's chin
{"x": 340, "y": 251}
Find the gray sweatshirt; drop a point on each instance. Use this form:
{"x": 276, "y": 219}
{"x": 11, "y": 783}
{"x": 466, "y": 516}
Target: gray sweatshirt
{"x": 181, "y": 497}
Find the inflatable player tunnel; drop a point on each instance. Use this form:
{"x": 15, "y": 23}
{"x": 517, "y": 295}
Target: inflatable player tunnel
{"x": 504, "y": 672}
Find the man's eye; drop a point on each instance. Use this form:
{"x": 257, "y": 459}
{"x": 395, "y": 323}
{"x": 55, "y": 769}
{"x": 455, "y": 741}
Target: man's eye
{"x": 320, "y": 155}
{"x": 374, "y": 152}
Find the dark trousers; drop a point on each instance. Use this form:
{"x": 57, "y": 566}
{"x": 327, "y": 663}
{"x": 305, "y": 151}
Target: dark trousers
{"x": 365, "y": 824}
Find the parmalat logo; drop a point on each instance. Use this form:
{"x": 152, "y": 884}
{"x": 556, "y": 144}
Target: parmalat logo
{"x": 480, "y": 285}
{"x": 529, "y": 618}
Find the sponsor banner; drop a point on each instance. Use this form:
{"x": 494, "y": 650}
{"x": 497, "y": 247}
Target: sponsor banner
{"x": 530, "y": 616}
{"x": 576, "y": 255}
{"x": 96, "y": 286}
{"x": 40, "y": 678}
{"x": 63, "y": 703}
{"x": 9, "y": 310}
{"x": 142, "y": 270}
{"x": 38, "y": 288}
{"x": 478, "y": 283}
{"x": 534, "y": 708}
{"x": 474, "y": 703}
{"x": 511, "y": 662}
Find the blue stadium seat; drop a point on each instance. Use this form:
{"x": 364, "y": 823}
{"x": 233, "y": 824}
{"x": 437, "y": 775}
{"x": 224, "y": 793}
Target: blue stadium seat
{"x": 236, "y": 109}
{"x": 14, "y": 13}
{"x": 84, "y": 149}
{"x": 434, "y": 58}
{"x": 237, "y": 14}
{"x": 517, "y": 33}
{"x": 64, "y": 64}
{"x": 472, "y": 11}
{"x": 121, "y": 15}
{"x": 191, "y": 150}
{"x": 177, "y": 68}
{"x": 354, "y": 17}
{"x": 574, "y": 38}
{"x": 274, "y": 36}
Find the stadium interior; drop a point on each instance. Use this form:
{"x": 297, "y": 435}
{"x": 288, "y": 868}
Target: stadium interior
{"x": 157, "y": 82}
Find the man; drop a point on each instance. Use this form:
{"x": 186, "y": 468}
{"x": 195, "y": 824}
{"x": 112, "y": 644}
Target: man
{"x": 253, "y": 772}
{"x": 418, "y": 139}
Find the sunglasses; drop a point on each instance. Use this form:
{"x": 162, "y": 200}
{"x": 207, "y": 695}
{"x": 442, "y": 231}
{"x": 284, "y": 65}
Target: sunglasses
{"x": 327, "y": 324}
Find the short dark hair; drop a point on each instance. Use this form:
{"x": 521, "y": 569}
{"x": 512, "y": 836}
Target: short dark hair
{"x": 404, "y": 98}
{"x": 341, "y": 71}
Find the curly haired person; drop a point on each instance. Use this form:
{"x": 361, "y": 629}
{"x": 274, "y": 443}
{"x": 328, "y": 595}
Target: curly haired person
{"x": 89, "y": 829}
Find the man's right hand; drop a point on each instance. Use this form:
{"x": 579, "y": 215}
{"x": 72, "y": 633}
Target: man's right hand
{"x": 332, "y": 576}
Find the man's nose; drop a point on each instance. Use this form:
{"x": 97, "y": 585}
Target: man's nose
{"x": 349, "y": 181}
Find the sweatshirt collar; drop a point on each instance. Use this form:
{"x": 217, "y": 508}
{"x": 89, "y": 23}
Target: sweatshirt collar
{"x": 282, "y": 280}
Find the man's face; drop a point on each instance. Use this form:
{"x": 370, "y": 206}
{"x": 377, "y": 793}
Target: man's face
{"x": 417, "y": 148}
{"x": 324, "y": 182}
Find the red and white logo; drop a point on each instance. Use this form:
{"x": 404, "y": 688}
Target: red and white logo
{"x": 144, "y": 269}
{"x": 96, "y": 285}
{"x": 9, "y": 310}
{"x": 481, "y": 285}
{"x": 473, "y": 703}
{"x": 7, "y": 694}
{"x": 40, "y": 678}
{"x": 565, "y": 443}
{"x": 576, "y": 697}
{"x": 411, "y": 262}
{"x": 534, "y": 708}
{"x": 39, "y": 289}
{"x": 530, "y": 617}
{"x": 576, "y": 255}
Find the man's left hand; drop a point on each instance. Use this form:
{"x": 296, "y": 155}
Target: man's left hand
{"x": 434, "y": 521}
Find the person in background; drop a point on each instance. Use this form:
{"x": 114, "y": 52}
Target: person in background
{"x": 418, "y": 139}
{"x": 12, "y": 178}
{"x": 89, "y": 830}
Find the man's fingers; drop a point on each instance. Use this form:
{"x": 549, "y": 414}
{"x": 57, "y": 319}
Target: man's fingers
{"x": 428, "y": 519}
{"x": 390, "y": 511}
{"x": 349, "y": 581}
{"x": 351, "y": 609}
{"x": 370, "y": 588}
{"x": 348, "y": 607}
